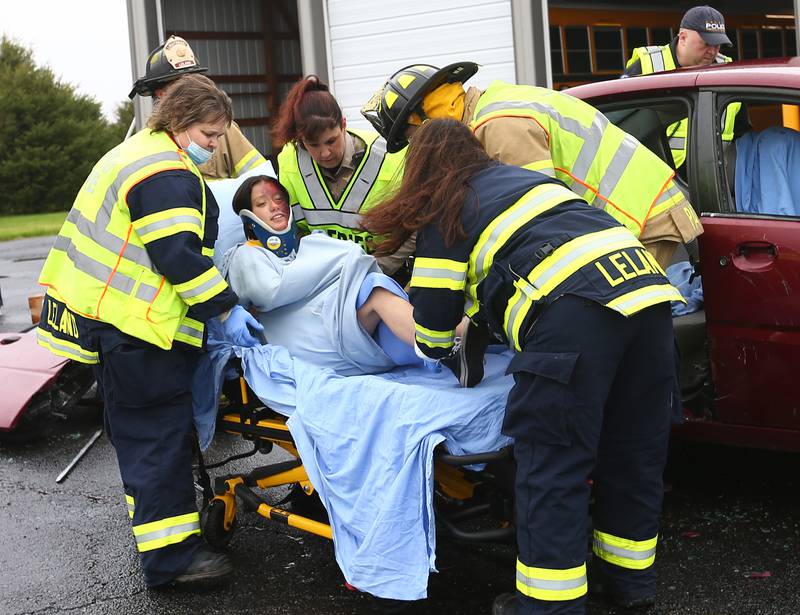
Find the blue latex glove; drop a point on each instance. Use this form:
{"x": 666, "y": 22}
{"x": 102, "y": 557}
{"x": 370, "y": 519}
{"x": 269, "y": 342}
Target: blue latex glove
{"x": 236, "y": 326}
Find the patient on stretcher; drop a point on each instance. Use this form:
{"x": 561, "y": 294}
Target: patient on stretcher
{"x": 323, "y": 299}
{"x": 367, "y": 442}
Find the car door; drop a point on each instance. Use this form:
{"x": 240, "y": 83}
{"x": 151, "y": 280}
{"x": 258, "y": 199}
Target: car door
{"x": 750, "y": 266}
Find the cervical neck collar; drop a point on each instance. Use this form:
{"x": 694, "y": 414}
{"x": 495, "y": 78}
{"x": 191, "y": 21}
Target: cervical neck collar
{"x": 282, "y": 243}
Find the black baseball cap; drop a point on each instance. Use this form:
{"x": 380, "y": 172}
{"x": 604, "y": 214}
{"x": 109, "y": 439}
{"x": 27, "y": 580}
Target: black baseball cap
{"x": 708, "y": 23}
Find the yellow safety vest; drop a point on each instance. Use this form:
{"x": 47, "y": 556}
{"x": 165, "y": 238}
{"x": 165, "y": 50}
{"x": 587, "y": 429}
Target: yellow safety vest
{"x": 99, "y": 266}
{"x": 312, "y": 204}
{"x": 598, "y": 161}
{"x": 655, "y": 59}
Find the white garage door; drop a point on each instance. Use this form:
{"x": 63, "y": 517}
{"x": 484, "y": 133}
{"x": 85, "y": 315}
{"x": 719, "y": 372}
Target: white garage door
{"x": 370, "y": 40}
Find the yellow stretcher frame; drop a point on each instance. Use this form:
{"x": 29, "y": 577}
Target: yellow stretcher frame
{"x": 456, "y": 486}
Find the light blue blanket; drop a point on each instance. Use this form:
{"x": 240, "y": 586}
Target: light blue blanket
{"x": 368, "y": 450}
{"x": 767, "y": 181}
{"x": 308, "y": 304}
{"x": 681, "y": 276}
{"x": 367, "y": 445}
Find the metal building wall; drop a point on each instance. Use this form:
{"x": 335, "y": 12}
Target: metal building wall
{"x": 251, "y": 48}
{"x": 371, "y": 40}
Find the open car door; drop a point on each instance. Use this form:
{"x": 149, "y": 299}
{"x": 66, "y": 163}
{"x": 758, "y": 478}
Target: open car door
{"x": 750, "y": 268}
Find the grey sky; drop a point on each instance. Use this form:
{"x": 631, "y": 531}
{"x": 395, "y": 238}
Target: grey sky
{"x": 85, "y": 43}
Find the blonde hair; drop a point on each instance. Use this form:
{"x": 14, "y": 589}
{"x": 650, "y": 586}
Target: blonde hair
{"x": 191, "y": 99}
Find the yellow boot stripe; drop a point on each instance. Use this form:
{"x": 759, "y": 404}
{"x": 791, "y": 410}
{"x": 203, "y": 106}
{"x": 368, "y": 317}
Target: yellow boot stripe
{"x": 158, "y": 534}
{"x": 623, "y": 552}
{"x": 551, "y": 583}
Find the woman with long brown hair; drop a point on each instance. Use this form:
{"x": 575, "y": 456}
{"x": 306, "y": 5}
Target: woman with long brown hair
{"x": 332, "y": 173}
{"x": 586, "y": 308}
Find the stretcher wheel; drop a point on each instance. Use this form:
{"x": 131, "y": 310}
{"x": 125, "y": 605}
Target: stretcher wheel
{"x": 214, "y": 531}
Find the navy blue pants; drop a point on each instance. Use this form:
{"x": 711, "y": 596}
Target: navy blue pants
{"x": 147, "y": 393}
{"x": 593, "y": 397}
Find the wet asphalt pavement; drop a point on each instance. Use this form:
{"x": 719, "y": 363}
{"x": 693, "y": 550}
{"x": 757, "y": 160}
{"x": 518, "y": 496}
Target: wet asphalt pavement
{"x": 730, "y": 541}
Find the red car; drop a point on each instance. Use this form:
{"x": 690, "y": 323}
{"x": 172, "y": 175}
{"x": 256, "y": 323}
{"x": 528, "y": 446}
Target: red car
{"x": 741, "y": 355}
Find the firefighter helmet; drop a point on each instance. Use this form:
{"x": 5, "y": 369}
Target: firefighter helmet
{"x": 166, "y": 63}
{"x": 402, "y": 95}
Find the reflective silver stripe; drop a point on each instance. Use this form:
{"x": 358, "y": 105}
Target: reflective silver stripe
{"x": 71, "y": 350}
{"x": 567, "y": 123}
{"x": 592, "y": 136}
{"x": 215, "y": 279}
{"x": 96, "y": 231}
{"x": 591, "y": 144}
{"x": 311, "y": 181}
{"x": 579, "y": 253}
{"x": 513, "y": 314}
{"x": 250, "y": 164}
{"x": 469, "y": 304}
{"x": 298, "y": 212}
{"x": 677, "y": 142}
{"x": 657, "y": 58}
{"x": 366, "y": 177}
{"x": 162, "y": 224}
{"x": 665, "y": 294}
{"x": 360, "y": 184}
{"x": 101, "y": 272}
{"x": 315, "y": 217}
{"x": 168, "y": 531}
{"x": 458, "y": 277}
{"x": 615, "y": 169}
{"x": 435, "y": 339}
{"x": 551, "y": 585}
{"x": 668, "y": 194}
{"x": 625, "y": 553}
{"x": 110, "y": 200}
{"x": 492, "y": 241}
{"x": 190, "y": 332}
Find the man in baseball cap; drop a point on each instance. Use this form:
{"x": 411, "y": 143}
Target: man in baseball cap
{"x": 701, "y": 34}
{"x": 709, "y": 23}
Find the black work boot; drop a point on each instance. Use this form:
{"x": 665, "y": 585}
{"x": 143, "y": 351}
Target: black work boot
{"x": 505, "y": 604}
{"x": 206, "y": 566}
{"x": 600, "y": 588}
{"x": 467, "y": 360}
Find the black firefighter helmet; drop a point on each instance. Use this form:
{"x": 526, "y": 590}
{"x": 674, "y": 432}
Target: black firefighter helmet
{"x": 166, "y": 63}
{"x": 389, "y": 109}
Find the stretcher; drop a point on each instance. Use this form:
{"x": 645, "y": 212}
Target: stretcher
{"x": 462, "y": 493}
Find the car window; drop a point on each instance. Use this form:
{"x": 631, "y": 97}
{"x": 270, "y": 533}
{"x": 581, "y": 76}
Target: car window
{"x": 651, "y": 124}
{"x": 760, "y": 149}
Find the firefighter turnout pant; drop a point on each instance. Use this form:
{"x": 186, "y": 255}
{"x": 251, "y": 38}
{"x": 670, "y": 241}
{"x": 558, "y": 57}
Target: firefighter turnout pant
{"x": 147, "y": 394}
{"x": 592, "y": 399}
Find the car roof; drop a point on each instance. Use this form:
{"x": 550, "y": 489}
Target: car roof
{"x": 776, "y": 73}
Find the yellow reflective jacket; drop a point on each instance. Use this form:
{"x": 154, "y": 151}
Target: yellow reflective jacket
{"x": 598, "y": 161}
{"x": 311, "y": 201}
{"x": 99, "y": 266}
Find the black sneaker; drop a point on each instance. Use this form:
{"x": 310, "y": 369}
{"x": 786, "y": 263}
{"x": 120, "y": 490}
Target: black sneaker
{"x": 206, "y": 566}
{"x": 467, "y": 361}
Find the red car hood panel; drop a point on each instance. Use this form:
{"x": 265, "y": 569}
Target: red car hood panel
{"x": 25, "y": 368}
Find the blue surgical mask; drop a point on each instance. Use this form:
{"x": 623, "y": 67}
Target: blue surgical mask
{"x": 198, "y": 154}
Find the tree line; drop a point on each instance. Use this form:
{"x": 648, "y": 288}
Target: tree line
{"x": 50, "y": 136}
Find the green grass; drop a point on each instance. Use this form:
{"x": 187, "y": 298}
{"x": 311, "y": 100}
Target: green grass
{"x": 33, "y": 225}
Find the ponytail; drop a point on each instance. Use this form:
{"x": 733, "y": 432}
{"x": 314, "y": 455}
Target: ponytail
{"x": 309, "y": 109}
